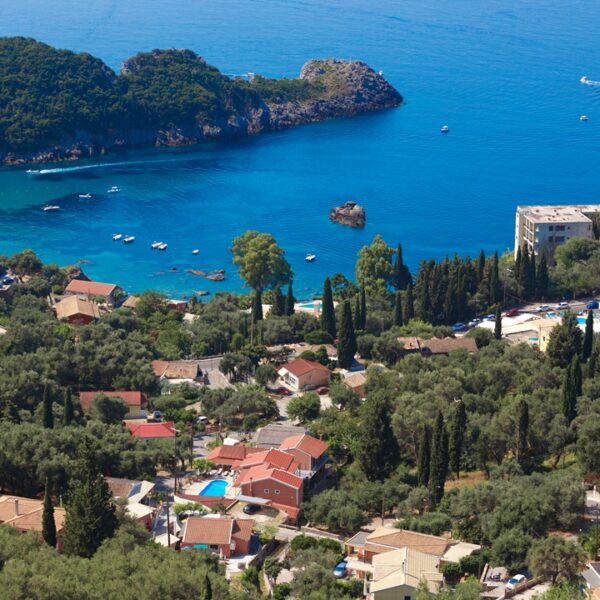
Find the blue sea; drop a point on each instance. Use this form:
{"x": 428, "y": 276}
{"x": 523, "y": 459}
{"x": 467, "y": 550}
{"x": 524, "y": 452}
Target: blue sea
{"x": 503, "y": 74}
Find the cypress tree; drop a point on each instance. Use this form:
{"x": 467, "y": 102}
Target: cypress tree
{"x": 542, "y": 278}
{"x": 327, "y": 310}
{"x": 289, "y": 300}
{"x": 457, "y": 436}
{"x": 522, "y": 442}
{"x": 402, "y": 277}
{"x": 91, "y": 516}
{"x": 378, "y": 452}
{"x": 565, "y": 341}
{"x": 424, "y": 456}
{"x": 495, "y": 291}
{"x": 524, "y": 272}
{"x": 363, "y": 307}
{"x": 409, "y": 305}
{"x": 532, "y": 275}
{"x": 206, "y": 594}
{"x": 48, "y": 523}
{"x": 48, "y": 413}
{"x": 69, "y": 411}
{"x": 498, "y": 324}
{"x": 356, "y": 313}
{"x": 277, "y": 306}
{"x": 480, "y": 266}
{"x": 346, "y": 347}
{"x": 571, "y": 388}
{"x": 438, "y": 467}
{"x": 517, "y": 270}
{"x": 257, "y": 312}
{"x": 588, "y": 337}
{"x": 592, "y": 362}
{"x": 398, "y": 309}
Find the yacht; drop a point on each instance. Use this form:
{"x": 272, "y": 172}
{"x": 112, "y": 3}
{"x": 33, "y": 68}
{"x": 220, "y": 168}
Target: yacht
{"x": 51, "y": 207}
{"x": 445, "y": 129}
{"x": 113, "y": 190}
{"x": 155, "y": 245}
{"x": 86, "y": 196}
{"x": 128, "y": 239}
{"x": 584, "y": 80}
{"x": 163, "y": 246}
{"x": 583, "y": 118}
{"x": 195, "y": 251}
{"x": 310, "y": 257}
{"x": 117, "y": 236}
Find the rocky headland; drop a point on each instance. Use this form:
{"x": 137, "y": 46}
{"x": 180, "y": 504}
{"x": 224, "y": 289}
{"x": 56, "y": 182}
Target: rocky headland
{"x": 58, "y": 105}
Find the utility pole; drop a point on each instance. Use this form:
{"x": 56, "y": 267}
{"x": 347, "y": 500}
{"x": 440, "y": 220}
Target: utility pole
{"x": 168, "y": 528}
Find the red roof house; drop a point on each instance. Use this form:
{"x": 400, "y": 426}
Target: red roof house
{"x": 137, "y": 403}
{"x": 152, "y": 431}
{"x": 301, "y": 374}
{"x": 270, "y": 458}
{"x": 90, "y": 289}
{"x": 231, "y": 456}
{"x": 309, "y": 452}
{"x": 223, "y": 535}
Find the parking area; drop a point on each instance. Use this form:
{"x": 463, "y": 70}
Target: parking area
{"x": 265, "y": 516}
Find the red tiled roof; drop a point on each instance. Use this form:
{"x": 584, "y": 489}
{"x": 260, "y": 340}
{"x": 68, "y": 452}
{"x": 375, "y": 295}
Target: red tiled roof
{"x": 231, "y": 455}
{"x": 93, "y": 288}
{"x": 152, "y": 430}
{"x": 130, "y": 398}
{"x": 300, "y": 367}
{"x": 273, "y": 458}
{"x": 312, "y": 446}
{"x": 262, "y": 472}
{"x": 216, "y": 531}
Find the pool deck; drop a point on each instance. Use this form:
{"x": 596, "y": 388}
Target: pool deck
{"x": 195, "y": 488}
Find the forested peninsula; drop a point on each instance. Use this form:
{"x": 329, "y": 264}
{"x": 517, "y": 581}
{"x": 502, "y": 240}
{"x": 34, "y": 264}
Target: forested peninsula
{"x": 60, "y": 105}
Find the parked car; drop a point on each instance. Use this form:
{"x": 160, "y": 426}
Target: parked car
{"x": 513, "y": 312}
{"x": 341, "y": 570}
{"x": 202, "y": 420}
{"x": 282, "y": 391}
{"x": 562, "y": 305}
{"x": 323, "y": 390}
{"x": 489, "y": 317}
{"x": 154, "y": 417}
{"x": 513, "y": 582}
{"x": 251, "y": 509}
{"x": 459, "y": 327}
{"x": 543, "y": 308}
{"x": 592, "y": 305}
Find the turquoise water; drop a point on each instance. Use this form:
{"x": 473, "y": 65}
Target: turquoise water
{"x": 215, "y": 488}
{"x": 503, "y": 74}
{"x": 311, "y": 305}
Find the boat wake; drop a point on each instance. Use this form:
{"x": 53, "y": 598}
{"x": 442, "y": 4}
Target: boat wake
{"x": 587, "y": 81}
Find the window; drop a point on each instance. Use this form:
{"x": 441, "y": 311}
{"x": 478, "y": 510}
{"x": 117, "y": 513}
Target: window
{"x": 551, "y": 228}
{"x": 559, "y": 238}
{"x": 560, "y": 228}
{"x": 406, "y": 597}
{"x": 266, "y": 491}
{"x": 551, "y": 239}
{"x": 277, "y": 492}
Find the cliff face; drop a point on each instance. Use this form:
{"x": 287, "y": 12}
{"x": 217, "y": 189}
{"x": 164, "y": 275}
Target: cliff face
{"x": 208, "y": 105}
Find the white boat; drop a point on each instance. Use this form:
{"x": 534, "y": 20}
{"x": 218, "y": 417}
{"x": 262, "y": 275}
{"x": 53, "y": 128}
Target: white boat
{"x": 583, "y": 118}
{"x": 445, "y": 129}
{"x": 155, "y": 245}
{"x": 86, "y": 196}
{"x": 163, "y": 246}
{"x": 128, "y": 239}
{"x": 51, "y": 207}
{"x": 113, "y": 190}
{"x": 380, "y": 73}
{"x": 117, "y": 236}
{"x": 195, "y": 251}
{"x": 310, "y": 257}
{"x": 586, "y": 81}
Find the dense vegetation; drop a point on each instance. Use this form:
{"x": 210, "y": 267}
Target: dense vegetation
{"x": 49, "y": 95}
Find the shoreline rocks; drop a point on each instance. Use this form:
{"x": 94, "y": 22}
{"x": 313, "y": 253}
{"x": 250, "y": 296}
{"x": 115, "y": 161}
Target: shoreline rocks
{"x": 350, "y": 214}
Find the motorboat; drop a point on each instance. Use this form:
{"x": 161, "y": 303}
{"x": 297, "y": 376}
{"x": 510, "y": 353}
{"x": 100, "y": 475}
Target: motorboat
{"x": 163, "y": 246}
{"x": 583, "y": 118}
{"x": 51, "y": 208}
{"x": 310, "y": 257}
{"x": 155, "y": 245}
{"x": 380, "y": 73}
{"x": 195, "y": 251}
{"x": 113, "y": 190}
{"x": 117, "y": 236}
{"x": 445, "y": 129}
{"x": 85, "y": 196}
{"x": 128, "y": 239}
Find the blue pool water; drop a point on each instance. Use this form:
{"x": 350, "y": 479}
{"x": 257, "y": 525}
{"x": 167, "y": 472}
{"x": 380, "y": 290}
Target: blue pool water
{"x": 503, "y": 74}
{"x": 215, "y": 488}
{"x": 311, "y": 306}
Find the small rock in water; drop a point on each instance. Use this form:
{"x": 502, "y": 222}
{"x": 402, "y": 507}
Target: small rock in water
{"x": 350, "y": 214}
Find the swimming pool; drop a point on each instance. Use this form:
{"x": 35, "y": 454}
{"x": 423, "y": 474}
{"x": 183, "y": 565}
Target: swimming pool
{"x": 311, "y": 306}
{"x": 215, "y": 488}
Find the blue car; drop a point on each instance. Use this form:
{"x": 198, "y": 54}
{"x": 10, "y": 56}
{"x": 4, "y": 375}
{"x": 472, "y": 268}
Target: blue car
{"x": 592, "y": 305}
{"x": 341, "y": 570}
{"x": 459, "y": 327}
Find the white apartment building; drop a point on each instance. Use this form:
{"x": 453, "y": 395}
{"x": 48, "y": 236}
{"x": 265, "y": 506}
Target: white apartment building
{"x": 544, "y": 228}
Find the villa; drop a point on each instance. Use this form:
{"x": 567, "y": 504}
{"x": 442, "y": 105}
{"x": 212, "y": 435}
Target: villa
{"x": 225, "y": 536}
{"x": 309, "y": 452}
{"x": 136, "y": 402}
{"x": 152, "y": 431}
{"x": 135, "y": 494}
{"x": 175, "y": 372}
{"x": 302, "y": 374}
{"x": 107, "y": 292}
{"x": 230, "y": 456}
{"x": 76, "y": 311}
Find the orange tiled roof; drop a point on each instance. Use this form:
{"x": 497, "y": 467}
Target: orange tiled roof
{"x": 307, "y": 443}
{"x": 262, "y": 472}
{"x": 231, "y": 455}
{"x": 152, "y": 430}
{"x": 301, "y": 366}
{"x": 30, "y": 513}
{"x": 130, "y": 398}
{"x": 216, "y": 531}
{"x": 73, "y": 305}
{"x": 271, "y": 457}
{"x": 93, "y": 288}
{"x": 384, "y": 539}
